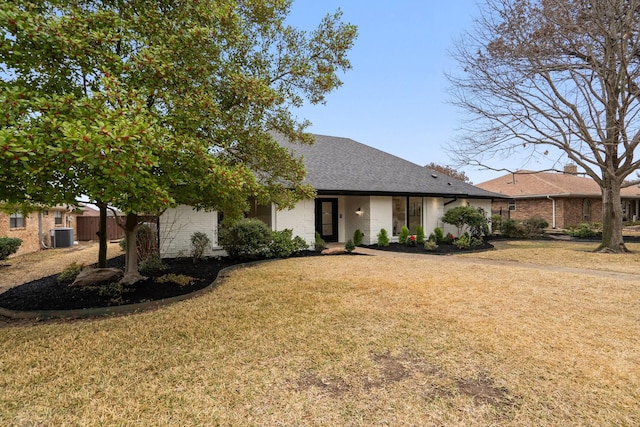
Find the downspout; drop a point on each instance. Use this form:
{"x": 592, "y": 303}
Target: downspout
{"x": 553, "y": 220}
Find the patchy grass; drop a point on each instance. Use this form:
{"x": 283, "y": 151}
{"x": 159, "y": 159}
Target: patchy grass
{"x": 354, "y": 341}
{"x": 560, "y": 253}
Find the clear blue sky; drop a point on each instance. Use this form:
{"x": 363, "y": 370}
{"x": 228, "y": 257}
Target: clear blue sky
{"x": 395, "y": 97}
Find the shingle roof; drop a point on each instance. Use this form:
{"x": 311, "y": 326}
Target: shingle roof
{"x": 528, "y": 184}
{"x": 344, "y": 166}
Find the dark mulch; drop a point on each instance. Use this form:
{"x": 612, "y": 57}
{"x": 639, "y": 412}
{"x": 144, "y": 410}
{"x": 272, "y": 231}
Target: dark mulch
{"x": 47, "y": 294}
{"x": 442, "y": 249}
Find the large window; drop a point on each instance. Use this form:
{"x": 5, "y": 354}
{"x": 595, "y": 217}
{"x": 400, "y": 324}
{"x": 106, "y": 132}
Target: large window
{"x": 16, "y": 220}
{"x": 261, "y": 212}
{"x": 586, "y": 210}
{"x": 407, "y": 211}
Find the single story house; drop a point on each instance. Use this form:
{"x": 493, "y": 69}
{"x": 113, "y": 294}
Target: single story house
{"x": 38, "y": 229}
{"x": 358, "y": 187}
{"x": 563, "y": 199}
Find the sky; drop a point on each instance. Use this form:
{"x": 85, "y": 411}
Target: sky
{"x": 395, "y": 97}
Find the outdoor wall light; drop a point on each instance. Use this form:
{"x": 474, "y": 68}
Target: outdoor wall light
{"x": 359, "y": 212}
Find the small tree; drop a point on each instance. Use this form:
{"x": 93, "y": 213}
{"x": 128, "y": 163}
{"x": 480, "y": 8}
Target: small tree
{"x": 466, "y": 218}
{"x": 383, "y": 238}
{"x": 404, "y": 235}
{"x": 199, "y": 244}
{"x": 420, "y": 235}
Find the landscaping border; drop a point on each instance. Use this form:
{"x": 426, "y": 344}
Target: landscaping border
{"x": 85, "y": 313}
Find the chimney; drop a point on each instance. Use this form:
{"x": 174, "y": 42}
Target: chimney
{"x": 571, "y": 169}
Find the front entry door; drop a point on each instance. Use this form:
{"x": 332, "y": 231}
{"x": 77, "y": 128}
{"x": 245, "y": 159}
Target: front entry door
{"x": 327, "y": 219}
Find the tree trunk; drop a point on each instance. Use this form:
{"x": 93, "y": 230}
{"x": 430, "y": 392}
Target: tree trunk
{"x": 102, "y": 235}
{"x": 131, "y": 274}
{"x": 612, "y": 240}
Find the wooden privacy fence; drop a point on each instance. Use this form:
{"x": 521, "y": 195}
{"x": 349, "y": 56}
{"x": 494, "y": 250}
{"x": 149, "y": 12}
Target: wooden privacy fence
{"x": 88, "y": 229}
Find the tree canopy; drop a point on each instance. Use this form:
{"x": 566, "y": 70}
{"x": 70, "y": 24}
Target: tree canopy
{"x": 145, "y": 104}
{"x": 540, "y": 77}
{"x": 449, "y": 171}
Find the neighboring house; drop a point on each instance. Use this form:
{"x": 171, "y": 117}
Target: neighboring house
{"x": 358, "y": 187}
{"x": 562, "y": 199}
{"x": 37, "y": 228}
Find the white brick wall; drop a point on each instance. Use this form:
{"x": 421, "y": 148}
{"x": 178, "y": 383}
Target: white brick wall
{"x": 177, "y": 225}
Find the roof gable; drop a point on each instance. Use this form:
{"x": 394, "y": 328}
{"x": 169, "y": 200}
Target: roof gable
{"x": 342, "y": 165}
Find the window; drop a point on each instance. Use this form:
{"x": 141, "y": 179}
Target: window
{"x": 512, "y": 205}
{"x": 399, "y": 214}
{"x": 415, "y": 214}
{"x": 261, "y": 212}
{"x": 586, "y": 210}
{"x": 58, "y": 217}
{"x": 407, "y": 211}
{"x": 16, "y": 220}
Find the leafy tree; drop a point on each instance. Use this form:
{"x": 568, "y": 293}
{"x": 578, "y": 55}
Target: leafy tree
{"x": 449, "y": 171}
{"x": 467, "y": 218}
{"x": 555, "y": 76}
{"x": 145, "y": 104}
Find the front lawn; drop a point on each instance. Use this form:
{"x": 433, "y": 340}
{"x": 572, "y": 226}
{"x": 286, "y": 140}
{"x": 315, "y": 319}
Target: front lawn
{"x": 354, "y": 341}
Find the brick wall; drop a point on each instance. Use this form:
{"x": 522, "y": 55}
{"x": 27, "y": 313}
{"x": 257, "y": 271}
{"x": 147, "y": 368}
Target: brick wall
{"x": 569, "y": 211}
{"x": 28, "y": 233}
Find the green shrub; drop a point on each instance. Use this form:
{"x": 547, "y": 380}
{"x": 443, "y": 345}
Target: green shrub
{"x": 584, "y": 230}
{"x": 534, "y": 226}
{"x": 438, "y": 234}
{"x": 463, "y": 242}
{"x": 9, "y": 246}
{"x": 282, "y": 244}
{"x": 151, "y": 266}
{"x": 530, "y": 228}
{"x": 467, "y": 219}
{"x": 247, "y": 238}
{"x": 357, "y": 237}
{"x": 70, "y": 273}
{"x": 349, "y": 246}
{"x": 404, "y": 235}
{"x": 430, "y": 245}
{"x": 199, "y": 244}
{"x": 420, "y": 235}
{"x": 383, "y": 238}
{"x": 299, "y": 244}
{"x": 319, "y": 244}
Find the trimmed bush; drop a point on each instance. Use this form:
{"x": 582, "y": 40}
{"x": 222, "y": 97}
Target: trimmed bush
{"x": 420, "y": 235}
{"x": 349, "y": 246}
{"x": 282, "y": 244}
{"x": 584, "y": 230}
{"x": 467, "y": 219}
{"x": 247, "y": 238}
{"x": 9, "y": 246}
{"x": 383, "y": 238}
{"x": 320, "y": 244}
{"x": 404, "y": 235}
{"x": 199, "y": 244}
{"x": 527, "y": 229}
{"x": 357, "y": 237}
{"x": 438, "y": 234}
{"x": 430, "y": 245}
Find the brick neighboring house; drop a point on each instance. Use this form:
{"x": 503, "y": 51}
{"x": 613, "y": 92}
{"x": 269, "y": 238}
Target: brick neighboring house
{"x": 35, "y": 228}
{"x": 562, "y": 199}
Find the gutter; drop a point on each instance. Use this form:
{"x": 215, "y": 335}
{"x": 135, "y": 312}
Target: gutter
{"x": 553, "y": 211}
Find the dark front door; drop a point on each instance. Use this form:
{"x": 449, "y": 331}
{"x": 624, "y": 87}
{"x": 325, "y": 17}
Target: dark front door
{"x": 327, "y": 219}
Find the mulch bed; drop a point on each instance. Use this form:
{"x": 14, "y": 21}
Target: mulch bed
{"x": 442, "y": 249}
{"x": 48, "y": 294}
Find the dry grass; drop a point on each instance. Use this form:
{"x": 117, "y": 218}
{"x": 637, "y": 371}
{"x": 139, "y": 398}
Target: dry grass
{"x": 561, "y": 253}
{"x": 351, "y": 341}
{"x": 25, "y": 268}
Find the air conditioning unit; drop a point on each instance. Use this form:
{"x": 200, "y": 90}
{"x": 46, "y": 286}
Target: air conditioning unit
{"x": 62, "y": 237}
